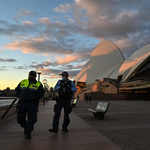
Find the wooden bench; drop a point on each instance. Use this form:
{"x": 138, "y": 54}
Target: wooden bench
{"x": 74, "y": 102}
{"x": 100, "y": 110}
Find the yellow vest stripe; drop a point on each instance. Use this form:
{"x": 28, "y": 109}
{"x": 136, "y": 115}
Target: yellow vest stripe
{"x": 24, "y": 84}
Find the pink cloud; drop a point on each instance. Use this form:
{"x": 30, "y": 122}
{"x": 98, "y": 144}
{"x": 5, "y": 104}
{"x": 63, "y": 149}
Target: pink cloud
{"x": 69, "y": 58}
{"x": 27, "y": 23}
{"x": 24, "y": 46}
{"x": 44, "y": 21}
{"x": 28, "y": 46}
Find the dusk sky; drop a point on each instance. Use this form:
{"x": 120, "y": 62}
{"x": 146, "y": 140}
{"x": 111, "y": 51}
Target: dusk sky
{"x": 61, "y": 34}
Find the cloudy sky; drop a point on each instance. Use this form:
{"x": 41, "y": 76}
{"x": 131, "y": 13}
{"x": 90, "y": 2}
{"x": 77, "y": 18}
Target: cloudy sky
{"x": 60, "y": 35}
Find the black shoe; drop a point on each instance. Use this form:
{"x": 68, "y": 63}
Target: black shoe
{"x": 65, "y": 130}
{"x": 53, "y": 130}
{"x": 28, "y": 135}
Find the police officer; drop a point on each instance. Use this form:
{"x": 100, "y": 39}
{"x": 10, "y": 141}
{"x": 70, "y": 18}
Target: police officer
{"x": 65, "y": 88}
{"x": 29, "y": 92}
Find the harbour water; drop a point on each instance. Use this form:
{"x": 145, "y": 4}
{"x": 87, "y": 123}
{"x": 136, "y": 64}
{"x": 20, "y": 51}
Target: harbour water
{"x": 6, "y": 102}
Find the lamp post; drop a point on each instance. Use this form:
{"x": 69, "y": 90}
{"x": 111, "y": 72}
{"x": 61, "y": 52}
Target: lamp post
{"x": 47, "y": 92}
{"x": 44, "y": 82}
{"x": 39, "y": 70}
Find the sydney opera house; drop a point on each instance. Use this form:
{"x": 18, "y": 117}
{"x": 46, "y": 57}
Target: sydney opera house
{"x": 107, "y": 75}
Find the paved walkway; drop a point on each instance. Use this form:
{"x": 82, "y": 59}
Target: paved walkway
{"x": 127, "y": 123}
{"x": 81, "y": 136}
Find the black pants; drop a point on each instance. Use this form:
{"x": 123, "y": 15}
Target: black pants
{"x": 57, "y": 109}
{"x": 30, "y": 110}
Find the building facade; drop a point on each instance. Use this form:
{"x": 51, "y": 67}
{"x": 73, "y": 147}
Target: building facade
{"x": 107, "y": 72}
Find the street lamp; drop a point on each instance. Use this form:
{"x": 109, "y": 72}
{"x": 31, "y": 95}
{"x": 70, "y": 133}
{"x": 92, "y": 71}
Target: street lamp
{"x": 44, "y": 82}
{"x": 39, "y": 70}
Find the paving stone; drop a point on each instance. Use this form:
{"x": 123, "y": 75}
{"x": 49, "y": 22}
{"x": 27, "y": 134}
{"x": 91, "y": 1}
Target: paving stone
{"x": 81, "y": 135}
{"x": 127, "y": 123}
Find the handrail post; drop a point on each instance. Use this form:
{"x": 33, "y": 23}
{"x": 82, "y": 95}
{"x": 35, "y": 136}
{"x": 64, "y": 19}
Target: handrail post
{"x": 9, "y": 108}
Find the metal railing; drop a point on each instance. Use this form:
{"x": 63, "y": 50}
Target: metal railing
{"x": 10, "y": 106}
{"x": 43, "y": 100}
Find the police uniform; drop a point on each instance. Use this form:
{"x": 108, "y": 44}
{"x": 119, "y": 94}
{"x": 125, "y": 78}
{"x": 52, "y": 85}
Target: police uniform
{"x": 66, "y": 89}
{"x": 29, "y": 94}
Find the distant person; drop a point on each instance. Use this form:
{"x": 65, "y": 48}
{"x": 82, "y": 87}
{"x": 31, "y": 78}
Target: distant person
{"x": 65, "y": 88}
{"x": 29, "y": 92}
{"x": 6, "y": 91}
{"x": 89, "y": 98}
{"x": 77, "y": 97}
{"x": 86, "y": 99}
{"x": 1, "y": 93}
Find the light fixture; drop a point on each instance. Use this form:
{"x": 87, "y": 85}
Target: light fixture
{"x": 39, "y": 70}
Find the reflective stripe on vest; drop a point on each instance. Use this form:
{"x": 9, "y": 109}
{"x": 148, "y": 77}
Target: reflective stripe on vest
{"x": 34, "y": 87}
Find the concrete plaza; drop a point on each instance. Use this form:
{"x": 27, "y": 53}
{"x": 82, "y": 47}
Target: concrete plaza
{"x": 126, "y": 124}
{"x": 126, "y": 127}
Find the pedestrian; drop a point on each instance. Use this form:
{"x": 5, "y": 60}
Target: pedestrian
{"x": 29, "y": 91}
{"x": 89, "y": 98}
{"x": 86, "y": 99}
{"x": 65, "y": 88}
{"x": 77, "y": 97}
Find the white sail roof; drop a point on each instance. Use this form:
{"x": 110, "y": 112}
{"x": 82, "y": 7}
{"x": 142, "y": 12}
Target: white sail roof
{"x": 104, "y": 62}
{"x": 134, "y": 62}
{"x": 82, "y": 75}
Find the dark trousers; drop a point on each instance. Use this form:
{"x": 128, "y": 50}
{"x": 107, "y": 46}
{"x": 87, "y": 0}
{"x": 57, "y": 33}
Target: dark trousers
{"x": 57, "y": 109}
{"x": 29, "y": 110}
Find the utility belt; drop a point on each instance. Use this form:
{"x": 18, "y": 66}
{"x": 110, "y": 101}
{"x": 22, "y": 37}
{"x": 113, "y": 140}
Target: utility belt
{"x": 64, "y": 98}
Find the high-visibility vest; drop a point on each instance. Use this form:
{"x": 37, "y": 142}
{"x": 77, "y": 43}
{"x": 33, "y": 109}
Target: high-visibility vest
{"x": 25, "y": 84}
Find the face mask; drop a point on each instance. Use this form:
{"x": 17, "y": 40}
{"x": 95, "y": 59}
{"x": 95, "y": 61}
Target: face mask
{"x": 63, "y": 78}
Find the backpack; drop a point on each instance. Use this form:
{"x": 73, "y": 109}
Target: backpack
{"x": 65, "y": 90}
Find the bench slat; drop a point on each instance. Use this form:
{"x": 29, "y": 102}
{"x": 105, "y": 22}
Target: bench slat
{"x": 100, "y": 110}
{"x": 102, "y": 107}
{"x": 92, "y": 110}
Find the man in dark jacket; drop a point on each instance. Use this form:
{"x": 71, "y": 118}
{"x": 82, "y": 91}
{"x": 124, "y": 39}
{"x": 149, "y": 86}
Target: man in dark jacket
{"x": 65, "y": 88}
{"x": 29, "y": 92}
